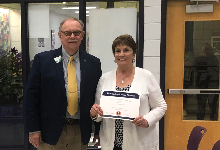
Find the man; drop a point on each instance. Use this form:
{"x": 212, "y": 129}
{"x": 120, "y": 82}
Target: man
{"x": 58, "y": 117}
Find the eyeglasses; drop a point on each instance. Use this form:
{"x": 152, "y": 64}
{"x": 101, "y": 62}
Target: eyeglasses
{"x": 69, "y": 33}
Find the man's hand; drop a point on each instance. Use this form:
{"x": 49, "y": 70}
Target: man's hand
{"x": 35, "y": 139}
{"x": 96, "y": 137}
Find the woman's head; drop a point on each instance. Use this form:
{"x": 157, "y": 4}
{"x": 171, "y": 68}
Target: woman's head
{"x": 207, "y": 50}
{"x": 124, "y": 50}
{"x": 124, "y": 40}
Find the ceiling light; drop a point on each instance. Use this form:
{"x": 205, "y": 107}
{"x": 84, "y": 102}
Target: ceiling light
{"x": 90, "y": 7}
{"x": 64, "y": 2}
{"x": 87, "y": 15}
{"x": 78, "y": 12}
{"x": 78, "y": 8}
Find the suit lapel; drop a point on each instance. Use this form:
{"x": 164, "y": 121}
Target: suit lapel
{"x": 59, "y": 68}
{"x": 83, "y": 64}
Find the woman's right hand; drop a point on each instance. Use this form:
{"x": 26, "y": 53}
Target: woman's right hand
{"x": 95, "y": 110}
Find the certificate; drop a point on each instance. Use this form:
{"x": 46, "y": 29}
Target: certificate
{"x": 120, "y": 105}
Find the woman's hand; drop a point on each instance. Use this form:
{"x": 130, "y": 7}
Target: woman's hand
{"x": 95, "y": 110}
{"x": 140, "y": 122}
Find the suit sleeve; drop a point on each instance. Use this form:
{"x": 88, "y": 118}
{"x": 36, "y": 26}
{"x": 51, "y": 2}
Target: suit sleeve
{"x": 97, "y": 124}
{"x": 32, "y": 97}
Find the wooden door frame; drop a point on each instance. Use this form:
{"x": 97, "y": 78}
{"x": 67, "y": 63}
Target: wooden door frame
{"x": 162, "y": 66}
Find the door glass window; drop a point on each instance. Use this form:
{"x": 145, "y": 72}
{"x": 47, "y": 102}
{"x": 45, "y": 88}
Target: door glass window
{"x": 201, "y": 69}
{"x": 11, "y": 98}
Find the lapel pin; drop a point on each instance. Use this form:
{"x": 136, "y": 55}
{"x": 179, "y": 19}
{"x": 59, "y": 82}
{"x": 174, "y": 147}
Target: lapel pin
{"x": 84, "y": 60}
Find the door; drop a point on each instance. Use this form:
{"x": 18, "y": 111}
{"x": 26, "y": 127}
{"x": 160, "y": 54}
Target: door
{"x": 190, "y": 32}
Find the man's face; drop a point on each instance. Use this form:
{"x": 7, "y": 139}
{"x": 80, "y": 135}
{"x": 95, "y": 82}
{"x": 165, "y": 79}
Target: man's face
{"x": 71, "y": 35}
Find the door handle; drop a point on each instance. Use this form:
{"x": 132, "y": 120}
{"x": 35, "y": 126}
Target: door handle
{"x": 193, "y": 91}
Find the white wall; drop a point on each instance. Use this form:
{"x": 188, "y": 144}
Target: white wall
{"x": 152, "y": 35}
{"x": 55, "y": 20}
{"x": 15, "y": 29}
{"x": 54, "y": 23}
{"x": 34, "y": 49}
{"x": 38, "y": 20}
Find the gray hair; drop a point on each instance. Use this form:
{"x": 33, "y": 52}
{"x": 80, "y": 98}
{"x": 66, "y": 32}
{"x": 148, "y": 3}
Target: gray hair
{"x": 71, "y": 18}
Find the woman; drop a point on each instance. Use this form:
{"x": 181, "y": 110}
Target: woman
{"x": 141, "y": 133}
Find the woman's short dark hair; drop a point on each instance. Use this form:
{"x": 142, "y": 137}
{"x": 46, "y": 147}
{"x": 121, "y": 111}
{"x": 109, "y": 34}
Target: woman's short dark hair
{"x": 124, "y": 40}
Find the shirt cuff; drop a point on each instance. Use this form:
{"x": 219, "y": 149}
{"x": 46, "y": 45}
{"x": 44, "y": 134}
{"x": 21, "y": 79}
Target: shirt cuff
{"x": 33, "y": 132}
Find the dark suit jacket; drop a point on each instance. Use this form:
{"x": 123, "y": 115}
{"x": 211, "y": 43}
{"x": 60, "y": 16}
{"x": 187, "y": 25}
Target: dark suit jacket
{"x": 46, "y": 100}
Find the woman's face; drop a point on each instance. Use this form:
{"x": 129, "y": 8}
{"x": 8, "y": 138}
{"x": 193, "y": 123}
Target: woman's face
{"x": 124, "y": 55}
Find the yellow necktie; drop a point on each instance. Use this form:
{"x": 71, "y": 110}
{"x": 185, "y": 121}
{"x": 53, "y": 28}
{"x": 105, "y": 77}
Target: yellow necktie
{"x": 72, "y": 88}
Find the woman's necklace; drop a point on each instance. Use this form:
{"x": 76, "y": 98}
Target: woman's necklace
{"x": 123, "y": 79}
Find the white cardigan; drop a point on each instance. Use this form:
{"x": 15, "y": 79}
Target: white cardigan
{"x": 152, "y": 108}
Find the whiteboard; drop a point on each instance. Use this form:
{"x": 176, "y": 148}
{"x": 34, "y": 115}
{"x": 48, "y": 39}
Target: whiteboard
{"x": 104, "y": 26}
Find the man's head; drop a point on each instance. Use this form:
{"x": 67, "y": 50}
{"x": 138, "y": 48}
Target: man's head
{"x": 71, "y": 34}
